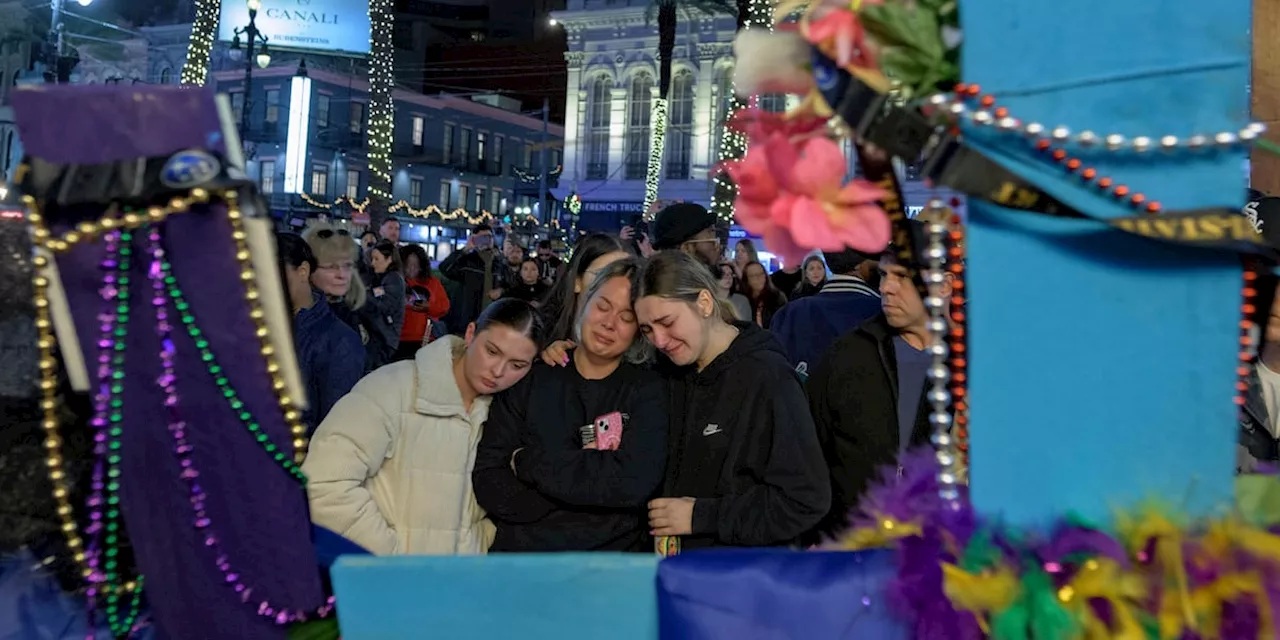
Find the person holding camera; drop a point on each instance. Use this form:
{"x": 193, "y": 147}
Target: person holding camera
{"x": 475, "y": 268}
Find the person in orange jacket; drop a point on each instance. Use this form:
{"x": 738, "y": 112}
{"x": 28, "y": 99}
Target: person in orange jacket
{"x": 425, "y": 301}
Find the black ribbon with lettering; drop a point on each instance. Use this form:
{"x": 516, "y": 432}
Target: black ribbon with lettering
{"x": 949, "y": 162}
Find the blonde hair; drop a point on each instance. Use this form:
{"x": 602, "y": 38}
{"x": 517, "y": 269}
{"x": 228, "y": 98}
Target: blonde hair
{"x": 338, "y": 246}
{"x": 676, "y": 275}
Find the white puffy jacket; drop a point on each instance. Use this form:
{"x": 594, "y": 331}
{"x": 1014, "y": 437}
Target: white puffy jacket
{"x": 390, "y": 466}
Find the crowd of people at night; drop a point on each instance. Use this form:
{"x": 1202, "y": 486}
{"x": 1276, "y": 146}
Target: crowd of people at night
{"x": 651, "y": 391}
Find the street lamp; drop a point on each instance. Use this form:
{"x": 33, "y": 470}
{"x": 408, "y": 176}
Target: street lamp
{"x": 254, "y": 39}
{"x": 56, "y": 45}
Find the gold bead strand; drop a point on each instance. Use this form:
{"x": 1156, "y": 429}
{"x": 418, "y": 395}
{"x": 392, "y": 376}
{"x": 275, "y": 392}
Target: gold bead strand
{"x": 292, "y": 416}
{"x": 46, "y": 341}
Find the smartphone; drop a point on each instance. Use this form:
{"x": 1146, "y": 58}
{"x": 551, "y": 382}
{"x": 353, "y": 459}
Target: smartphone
{"x": 609, "y": 431}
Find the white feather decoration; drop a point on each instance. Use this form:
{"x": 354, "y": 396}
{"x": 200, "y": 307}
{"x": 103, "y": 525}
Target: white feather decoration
{"x": 771, "y": 62}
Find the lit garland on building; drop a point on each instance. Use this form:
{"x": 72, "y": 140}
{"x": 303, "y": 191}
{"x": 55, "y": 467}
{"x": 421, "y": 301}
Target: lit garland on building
{"x": 203, "y": 31}
{"x": 381, "y": 106}
{"x": 733, "y": 145}
{"x": 657, "y": 140}
{"x": 484, "y": 217}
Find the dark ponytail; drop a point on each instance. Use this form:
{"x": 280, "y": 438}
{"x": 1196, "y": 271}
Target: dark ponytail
{"x": 517, "y": 315}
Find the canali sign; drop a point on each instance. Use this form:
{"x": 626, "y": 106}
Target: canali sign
{"x": 334, "y": 26}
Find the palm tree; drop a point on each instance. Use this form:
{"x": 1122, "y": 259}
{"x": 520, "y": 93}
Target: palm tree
{"x": 667, "y": 12}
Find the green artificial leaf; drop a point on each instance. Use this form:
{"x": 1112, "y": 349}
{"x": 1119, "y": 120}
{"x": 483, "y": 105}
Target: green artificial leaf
{"x": 899, "y": 64}
{"x": 895, "y": 23}
{"x": 1258, "y": 499}
{"x": 315, "y": 630}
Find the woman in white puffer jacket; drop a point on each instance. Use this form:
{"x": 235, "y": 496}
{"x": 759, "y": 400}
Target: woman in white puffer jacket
{"x": 390, "y": 466}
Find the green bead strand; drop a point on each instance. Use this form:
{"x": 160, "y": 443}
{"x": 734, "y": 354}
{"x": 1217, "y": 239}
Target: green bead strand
{"x": 120, "y": 624}
{"x": 224, "y": 385}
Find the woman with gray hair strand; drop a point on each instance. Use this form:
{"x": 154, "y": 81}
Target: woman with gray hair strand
{"x": 570, "y": 455}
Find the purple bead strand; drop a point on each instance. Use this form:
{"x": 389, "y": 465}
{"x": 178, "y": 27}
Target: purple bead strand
{"x": 95, "y": 500}
{"x": 184, "y": 451}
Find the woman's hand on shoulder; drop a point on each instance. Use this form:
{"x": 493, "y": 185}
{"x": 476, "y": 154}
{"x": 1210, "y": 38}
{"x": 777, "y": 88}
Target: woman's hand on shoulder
{"x": 557, "y": 354}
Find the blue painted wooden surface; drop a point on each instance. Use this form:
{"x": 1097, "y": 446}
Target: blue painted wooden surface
{"x": 1102, "y": 365}
{"x": 531, "y": 597}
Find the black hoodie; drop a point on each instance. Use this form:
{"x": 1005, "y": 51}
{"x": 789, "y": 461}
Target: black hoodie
{"x": 561, "y": 497}
{"x": 742, "y": 443}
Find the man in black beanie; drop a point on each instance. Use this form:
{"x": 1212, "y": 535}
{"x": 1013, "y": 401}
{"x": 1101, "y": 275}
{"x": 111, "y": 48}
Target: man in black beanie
{"x": 690, "y": 228}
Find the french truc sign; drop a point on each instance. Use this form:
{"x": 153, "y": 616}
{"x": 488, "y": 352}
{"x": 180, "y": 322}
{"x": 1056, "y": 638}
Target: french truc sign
{"x": 333, "y": 26}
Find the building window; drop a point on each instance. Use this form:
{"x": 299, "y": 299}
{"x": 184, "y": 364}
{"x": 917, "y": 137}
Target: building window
{"x": 448, "y": 142}
{"x": 446, "y": 190}
{"x": 680, "y": 130}
{"x": 464, "y": 196}
{"x": 164, "y": 75}
{"x": 322, "y": 110}
{"x": 724, "y": 99}
{"x": 528, "y": 155}
{"x": 774, "y": 102}
{"x": 639, "y": 109}
{"x": 273, "y": 106}
{"x": 353, "y": 184}
{"x": 415, "y": 192}
{"x": 497, "y": 201}
{"x": 319, "y": 180}
{"x": 237, "y": 106}
{"x": 419, "y": 126}
{"x": 267, "y": 177}
{"x": 481, "y": 139}
{"x": 599, "y": 98}
{"x": 357, "y": 117}
{"x": 465, "y": 146}
{"x": 497, "y": 153}
{"x": 480, "y": 197}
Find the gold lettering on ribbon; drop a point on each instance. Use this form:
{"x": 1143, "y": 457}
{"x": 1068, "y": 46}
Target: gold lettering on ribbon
{"x": 1011, "y": 195}
{"x": 1191, "y": 229}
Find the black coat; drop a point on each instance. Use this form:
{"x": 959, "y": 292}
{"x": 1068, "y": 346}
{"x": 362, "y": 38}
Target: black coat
{"x": 853, "y": 396}
{"x": 742, "y": 444}
{"x": 561, "y": 497}
{"x": 467, "y": 268}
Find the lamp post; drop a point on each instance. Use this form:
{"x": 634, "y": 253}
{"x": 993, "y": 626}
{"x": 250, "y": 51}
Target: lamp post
{"x": 57, "y": 44}
{"x": 254, "y": 39}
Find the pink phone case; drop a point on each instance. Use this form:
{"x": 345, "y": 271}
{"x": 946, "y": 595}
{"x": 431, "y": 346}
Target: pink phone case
{"x": 609, "y": 431}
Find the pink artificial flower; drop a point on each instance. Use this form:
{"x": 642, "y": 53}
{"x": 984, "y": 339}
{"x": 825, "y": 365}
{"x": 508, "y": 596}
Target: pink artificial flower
{"x": 758, "y": 124}
{"x": 847, "y": 39}
{"x": 794, "y": 197}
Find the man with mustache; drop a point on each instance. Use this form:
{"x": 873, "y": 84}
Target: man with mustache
{"x": 867, "y": 392}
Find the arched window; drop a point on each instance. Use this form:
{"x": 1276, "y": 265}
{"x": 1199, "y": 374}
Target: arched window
{"x": 164, "y": 75}
{"x": 599, "y": 104}
{"x": 679, "y": 145}
{"x": 724, "y": 97}
{"x": 639, "y": 110}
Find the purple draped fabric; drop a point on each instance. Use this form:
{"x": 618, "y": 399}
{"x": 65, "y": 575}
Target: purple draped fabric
{"x": 259, "y": 512}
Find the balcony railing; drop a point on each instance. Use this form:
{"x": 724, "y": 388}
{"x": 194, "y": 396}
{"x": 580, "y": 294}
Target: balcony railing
{"x": 636, "y": 169}
{"x": 677, "y": 170}
{"x": 333, "y": 137}
{"x": 415, "y": 154}
{"x": 597, "y": 170}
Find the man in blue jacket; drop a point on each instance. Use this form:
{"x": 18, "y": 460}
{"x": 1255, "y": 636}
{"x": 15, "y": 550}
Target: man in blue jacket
{"x": 806, "y": 327}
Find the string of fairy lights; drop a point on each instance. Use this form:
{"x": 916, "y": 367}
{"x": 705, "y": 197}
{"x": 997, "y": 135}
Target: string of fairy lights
{"x": 657, "y": 141}
{"x": 203, "y": 31}
{"x": 381, "y": 105}
{"x": 733, "y": 145}
{"x": 404, "y": 207}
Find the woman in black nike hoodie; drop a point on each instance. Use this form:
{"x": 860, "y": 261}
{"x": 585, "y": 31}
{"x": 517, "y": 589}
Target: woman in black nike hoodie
{"x": 744, "y": 467}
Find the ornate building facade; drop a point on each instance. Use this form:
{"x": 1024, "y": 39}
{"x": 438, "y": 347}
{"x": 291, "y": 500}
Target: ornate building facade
{"x": 612, "y": 81}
